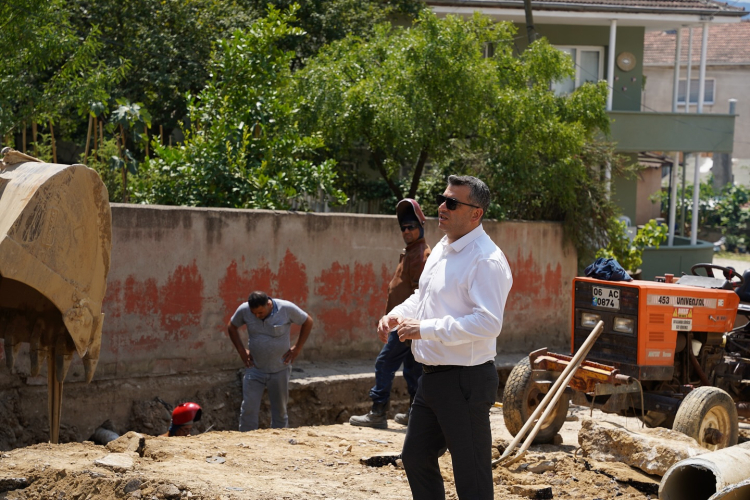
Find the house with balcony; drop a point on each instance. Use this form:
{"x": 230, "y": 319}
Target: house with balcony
{"x": 727, "y": 84}
{"x": 605, "y": 39}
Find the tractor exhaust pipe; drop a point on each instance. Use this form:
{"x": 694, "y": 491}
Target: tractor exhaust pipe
{"x": 722, "y": 474}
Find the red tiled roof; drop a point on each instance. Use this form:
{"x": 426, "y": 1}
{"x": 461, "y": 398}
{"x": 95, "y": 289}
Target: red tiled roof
{"x": 715, "y": 7}
{"x": 727, "y": 44}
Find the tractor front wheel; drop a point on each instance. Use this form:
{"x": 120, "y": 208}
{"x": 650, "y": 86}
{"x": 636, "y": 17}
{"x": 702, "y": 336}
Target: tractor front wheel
{"x": 709, "y": 415}
{"x": 522, "y": 396}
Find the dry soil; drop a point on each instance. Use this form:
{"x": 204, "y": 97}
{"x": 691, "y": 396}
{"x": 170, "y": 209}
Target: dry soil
{"x": 322, "y": 462}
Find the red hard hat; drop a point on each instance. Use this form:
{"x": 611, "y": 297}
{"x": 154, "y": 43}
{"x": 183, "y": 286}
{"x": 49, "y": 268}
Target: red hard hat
{"x": 407, "y": 206}
{"x": 186, "y": 413}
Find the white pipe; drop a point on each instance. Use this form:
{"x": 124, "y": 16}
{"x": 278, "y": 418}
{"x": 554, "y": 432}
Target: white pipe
{"x": 676, "y": 81}
{"x": 699, "y": 478}
{"x": 689, "y": 69}
{"x": 673, "y": 194}
{"x": 739, "y": 491}
{"x": 696, "y": 208}
{"x": 702, "y": 74}
{"x": 611, "y": 62}
{"x": 554, "y": 393}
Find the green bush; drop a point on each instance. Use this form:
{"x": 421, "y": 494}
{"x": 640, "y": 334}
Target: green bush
{"x": 629, "y": 254}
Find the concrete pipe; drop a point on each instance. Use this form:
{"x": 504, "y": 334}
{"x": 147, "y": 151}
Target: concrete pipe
{"x": 706, "y": 476}
{"x": 739, "y": 491}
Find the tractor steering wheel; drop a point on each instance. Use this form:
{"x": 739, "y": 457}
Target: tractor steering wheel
{"x": 728, "y": 272}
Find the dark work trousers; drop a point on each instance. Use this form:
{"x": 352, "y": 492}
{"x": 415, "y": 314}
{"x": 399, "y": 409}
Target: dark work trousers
{"x": 393, "y": 353}
{"x": 452, "y": 408}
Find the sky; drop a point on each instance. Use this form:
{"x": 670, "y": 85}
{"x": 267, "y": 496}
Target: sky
{"x": 746, "y": 5}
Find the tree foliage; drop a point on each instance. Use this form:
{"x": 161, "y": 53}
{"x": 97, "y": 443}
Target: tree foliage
{"x": 427, "y": 100}
{"x": 50, "y": 72}
{"x": 242, "y": 147}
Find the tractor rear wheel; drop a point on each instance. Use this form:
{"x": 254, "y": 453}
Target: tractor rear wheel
{"x": 522, "y": 396}
{"x": 709, "y": 415}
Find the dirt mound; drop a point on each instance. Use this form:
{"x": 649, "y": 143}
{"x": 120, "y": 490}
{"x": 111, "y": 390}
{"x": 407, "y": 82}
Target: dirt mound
{"x": 293, "y": 464}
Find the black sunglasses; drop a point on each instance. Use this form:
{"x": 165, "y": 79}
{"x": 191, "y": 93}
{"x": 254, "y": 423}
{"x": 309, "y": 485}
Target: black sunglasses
{"x": 408, "y": 227}
{"x": 451, "y": 203}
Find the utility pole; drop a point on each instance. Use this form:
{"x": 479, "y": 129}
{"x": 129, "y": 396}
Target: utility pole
{"x": 530, "y": 32}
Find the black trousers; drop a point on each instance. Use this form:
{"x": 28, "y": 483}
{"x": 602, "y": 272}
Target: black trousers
{"x": 452, "y": 408}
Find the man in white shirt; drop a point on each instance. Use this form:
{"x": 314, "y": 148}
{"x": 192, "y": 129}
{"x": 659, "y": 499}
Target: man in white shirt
{"x": 454, "y": 318}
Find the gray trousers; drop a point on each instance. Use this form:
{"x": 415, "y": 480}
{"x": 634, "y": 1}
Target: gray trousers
{"x": 253, "y": 384}
{"x": 452, "y": 408}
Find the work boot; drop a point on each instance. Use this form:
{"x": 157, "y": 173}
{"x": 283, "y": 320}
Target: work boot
{"x": 403, "y": 418}
{"x": 375, "y": 418}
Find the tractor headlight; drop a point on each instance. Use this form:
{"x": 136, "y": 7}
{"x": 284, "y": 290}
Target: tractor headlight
{"x": 624, "y": 325}
{"x": 589, "y": 320}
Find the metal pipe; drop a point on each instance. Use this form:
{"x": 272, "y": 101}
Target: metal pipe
{"x": 550, "y": 399}
{"x": 676, "y": 80}
{"x": 697, "y": 368}
{"x": 689, "y": 69}
{"x": 673, "y": 193}
{"x": 682, "y": 197}
{"x": 701, "y": 477}
{"x": 702, "y": 71}
{"x": 696, "y": 201}
{"x": 611, "y": 62}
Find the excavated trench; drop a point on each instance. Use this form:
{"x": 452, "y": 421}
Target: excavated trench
{"x": 320, "y": 394}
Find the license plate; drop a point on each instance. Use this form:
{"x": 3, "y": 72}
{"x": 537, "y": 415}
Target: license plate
{"x": 608, "y": 298}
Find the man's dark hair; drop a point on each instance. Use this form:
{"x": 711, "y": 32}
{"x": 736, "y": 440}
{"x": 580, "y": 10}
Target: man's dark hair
{"x": 479, "y": 193}
{"x": 257, "y": 299}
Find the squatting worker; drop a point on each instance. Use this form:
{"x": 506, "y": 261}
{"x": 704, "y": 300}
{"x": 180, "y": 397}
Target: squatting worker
{"x": 453, "y": 320}
{"x": 394, "y": 352}
{"x": 269, "y": 356}
{"x": 183, "y": 418}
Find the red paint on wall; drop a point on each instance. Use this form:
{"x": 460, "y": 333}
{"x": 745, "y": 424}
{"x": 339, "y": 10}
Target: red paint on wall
{"x": 140, "y": 297}
{"x": 112, "y": 301}
{"x": 166, "y": 312}
{"x": 353, "y": 299}
{"x": 181, "y": 301}
{"x": 535, "y": 288}
{"x": 288, "y": 283}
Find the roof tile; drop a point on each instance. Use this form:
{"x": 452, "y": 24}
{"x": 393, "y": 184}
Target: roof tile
{"x": 727, "y": 44}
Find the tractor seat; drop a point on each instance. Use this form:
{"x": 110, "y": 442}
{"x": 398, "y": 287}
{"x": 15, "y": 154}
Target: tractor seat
{"x": 744, "y": 291}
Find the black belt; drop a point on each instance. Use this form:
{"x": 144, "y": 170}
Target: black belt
{"x": 445, "y": 368}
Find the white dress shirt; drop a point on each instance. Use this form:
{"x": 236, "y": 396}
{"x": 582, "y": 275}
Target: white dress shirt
{"x": 460, "y": 301}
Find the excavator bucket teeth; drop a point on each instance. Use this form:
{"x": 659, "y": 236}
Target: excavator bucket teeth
{"x": 55, "y": 242}
{"x": 91, "y": 359}
{"x": 63, "y": 357}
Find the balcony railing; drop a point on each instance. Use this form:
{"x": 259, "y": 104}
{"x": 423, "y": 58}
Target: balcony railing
{"x": 636, "y": 131}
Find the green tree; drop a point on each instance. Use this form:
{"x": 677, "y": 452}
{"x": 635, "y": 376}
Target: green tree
{"x": 169, "y": 43}
{"x": 451, "y": 96}
{"x": 407, "y": 94}
{"x": 326, "y": 21}
{"x": 50, "y": 73}
{"x": 243, "y": 148}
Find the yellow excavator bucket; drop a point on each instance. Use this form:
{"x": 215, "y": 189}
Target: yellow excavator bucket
{"x": 55, "y": 242}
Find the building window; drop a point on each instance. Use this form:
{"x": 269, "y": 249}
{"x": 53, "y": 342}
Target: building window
{"x": 489, "y": 50}
{"x": 708, "y": 94}
{"x": 589, "y": 66}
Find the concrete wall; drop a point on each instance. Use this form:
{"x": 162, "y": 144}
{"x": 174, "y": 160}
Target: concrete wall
{"x": 732, "y": 82}
{"x": 178, "y": 274}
